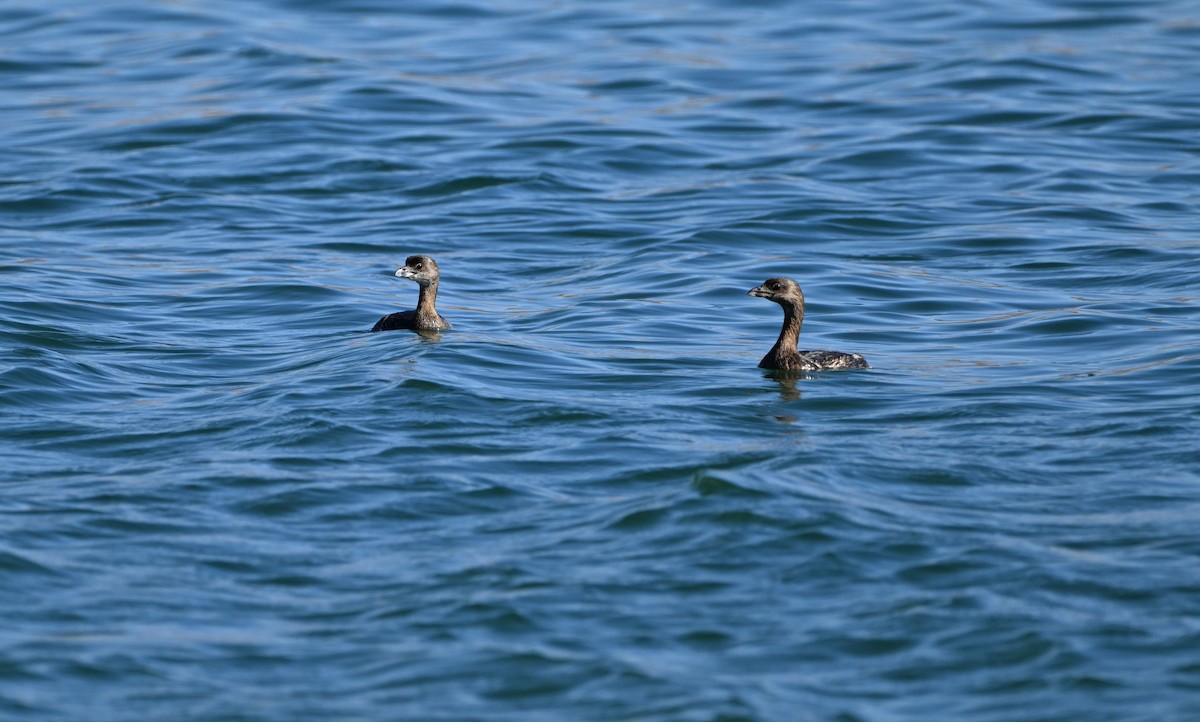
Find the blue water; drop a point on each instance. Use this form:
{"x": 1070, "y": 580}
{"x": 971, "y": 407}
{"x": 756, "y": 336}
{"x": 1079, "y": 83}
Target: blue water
{"x": 221, "y": 498}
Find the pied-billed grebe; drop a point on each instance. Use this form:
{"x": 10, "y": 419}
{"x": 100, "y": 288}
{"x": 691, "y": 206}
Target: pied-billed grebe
{"x": 424, "y": 271}
{"x": 783, "y": 354}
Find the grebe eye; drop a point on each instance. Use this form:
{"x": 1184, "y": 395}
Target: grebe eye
{"x": 775, "y": 286}
{"x": 418, "y": 265}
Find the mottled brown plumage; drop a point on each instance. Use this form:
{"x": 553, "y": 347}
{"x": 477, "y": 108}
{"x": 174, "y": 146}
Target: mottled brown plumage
{"x": 784, "y": 355}
{"x": 423, "y": 270}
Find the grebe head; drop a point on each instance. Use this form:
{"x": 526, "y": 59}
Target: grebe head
{"x": 779, "y": 290}
{"x": 422, "y": 269}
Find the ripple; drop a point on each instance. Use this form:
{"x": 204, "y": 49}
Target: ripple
{"x": 586, "y": 497}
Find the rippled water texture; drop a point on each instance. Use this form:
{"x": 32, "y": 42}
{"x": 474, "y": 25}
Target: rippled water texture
{"x": 223, "y": 499}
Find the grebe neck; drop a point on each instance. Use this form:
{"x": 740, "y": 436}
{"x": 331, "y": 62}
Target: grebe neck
{"x": 789, "y": 335}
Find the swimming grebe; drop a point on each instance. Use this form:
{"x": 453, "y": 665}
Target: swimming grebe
{"x": 784, "y": 355}
{"x": 424, "y": 271}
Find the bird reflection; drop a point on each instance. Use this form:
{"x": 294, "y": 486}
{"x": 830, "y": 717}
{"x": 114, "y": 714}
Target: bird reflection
{"x": 788, "y": 390}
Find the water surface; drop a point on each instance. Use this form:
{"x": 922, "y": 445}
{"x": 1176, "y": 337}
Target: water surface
{"x": 223, "y": 499}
